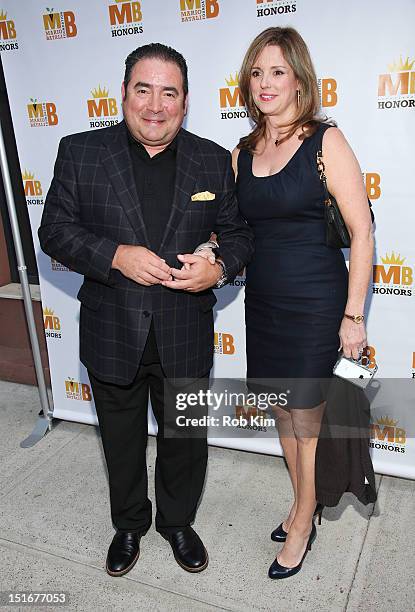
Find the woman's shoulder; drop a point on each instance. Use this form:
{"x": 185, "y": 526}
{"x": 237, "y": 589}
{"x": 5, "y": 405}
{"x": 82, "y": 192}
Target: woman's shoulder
{"x": 327, "y": 135}
{"x": 235, "y": 155}
{"x": 337, "y": 150}
{"x": 239, "y": 156}
{"x": 328, "y": 129}
{"x": 333, "y": 138}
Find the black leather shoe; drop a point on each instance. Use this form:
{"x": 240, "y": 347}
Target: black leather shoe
{"x": 188, "y": 549}
{"x": 280, "y": 535}
{"x": 123, "y": 553}
{"x": 277, "y": 571}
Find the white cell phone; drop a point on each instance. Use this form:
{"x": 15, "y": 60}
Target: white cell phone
{"x": 354, "y": 371}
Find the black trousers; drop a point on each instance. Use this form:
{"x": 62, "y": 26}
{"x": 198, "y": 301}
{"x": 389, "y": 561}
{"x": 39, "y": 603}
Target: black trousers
{"x": 181, "y": 461}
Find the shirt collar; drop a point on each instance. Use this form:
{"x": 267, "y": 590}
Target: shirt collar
{"x": 136, "y": 143}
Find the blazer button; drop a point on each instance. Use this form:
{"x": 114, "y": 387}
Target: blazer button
{"x": 146, "y": 313}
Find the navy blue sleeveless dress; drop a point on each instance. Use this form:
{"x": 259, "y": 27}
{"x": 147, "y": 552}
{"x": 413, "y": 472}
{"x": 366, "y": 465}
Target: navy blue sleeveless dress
{"x": 296, "y": 286}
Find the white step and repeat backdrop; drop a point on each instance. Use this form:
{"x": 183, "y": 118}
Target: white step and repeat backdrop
{"x": 64, "y": 65}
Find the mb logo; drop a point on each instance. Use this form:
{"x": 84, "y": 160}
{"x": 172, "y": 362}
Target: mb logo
{"x": 31, "y": 186}
{"x": 392, "y": 277}
{"x": 77, "y": 390}
{"x": 102, "y": 106}
{"x": 224, "y": 344}
{"x": 52, "y": 324}
{"x": 386, "y": 435}
{"x": 231, "y": 101}
{"x": 125, "y": 18}
{"x": 194, "y": 10}
{"x": 42, "y": 114}
{"x": 248, "y": 412}
{"x": 32, "y": 189}
{"x": 369, "y": 357}
{"x": 8, "y": 33}
{"x": 372, "y": 184}
{"x": 59, "y": 25}
{"x": 50, "y": 320}
{"x": 397, "y": 82}
{"x": 328, "y": 92}
{"x": 7, "y": 27}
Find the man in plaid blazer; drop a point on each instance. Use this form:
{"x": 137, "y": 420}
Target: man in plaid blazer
{"x": 126, "y": 208}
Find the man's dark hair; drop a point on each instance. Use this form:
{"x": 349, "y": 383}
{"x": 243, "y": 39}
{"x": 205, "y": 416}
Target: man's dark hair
{"x": 156, "y": 51}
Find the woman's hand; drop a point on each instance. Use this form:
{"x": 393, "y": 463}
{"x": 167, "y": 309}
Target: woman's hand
{"x": 205, "y": 250}
{"x": 207, "y": 253}
{"x": 353, "y": 338}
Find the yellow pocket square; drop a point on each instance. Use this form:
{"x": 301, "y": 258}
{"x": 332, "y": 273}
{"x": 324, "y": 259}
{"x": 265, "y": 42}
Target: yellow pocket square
{"x": 203, "y": 196}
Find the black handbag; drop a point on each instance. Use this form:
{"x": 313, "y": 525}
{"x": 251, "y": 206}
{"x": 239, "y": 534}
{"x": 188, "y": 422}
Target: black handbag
{"x": 337, "y": 235}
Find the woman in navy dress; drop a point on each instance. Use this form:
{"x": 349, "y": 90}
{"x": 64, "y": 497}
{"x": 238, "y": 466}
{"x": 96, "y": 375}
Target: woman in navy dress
{"x": 301, "y": 303}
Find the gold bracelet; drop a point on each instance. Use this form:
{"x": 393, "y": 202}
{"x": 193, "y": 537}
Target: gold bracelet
{"x": 355, "y": 318}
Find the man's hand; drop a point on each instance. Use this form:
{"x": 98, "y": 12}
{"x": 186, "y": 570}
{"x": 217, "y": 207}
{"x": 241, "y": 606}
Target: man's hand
{"x": 198, "y": 276}
{"x": 141, "y": 265}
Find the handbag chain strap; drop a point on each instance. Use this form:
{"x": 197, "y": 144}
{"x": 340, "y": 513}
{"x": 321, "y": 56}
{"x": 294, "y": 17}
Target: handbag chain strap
{"x": 321, "y": 171}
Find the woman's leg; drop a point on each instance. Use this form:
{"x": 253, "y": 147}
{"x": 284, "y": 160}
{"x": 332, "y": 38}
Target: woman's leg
{"x": 289, "y": 445}
{"x": 306, "y": 426}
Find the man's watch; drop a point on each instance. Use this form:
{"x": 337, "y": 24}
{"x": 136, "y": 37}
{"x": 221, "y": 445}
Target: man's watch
{"x": 223, "y": 279}
{"x": 355, "y": 318}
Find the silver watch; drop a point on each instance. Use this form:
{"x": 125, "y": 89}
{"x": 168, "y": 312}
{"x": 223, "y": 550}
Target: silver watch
{"x": 223, "y": 279}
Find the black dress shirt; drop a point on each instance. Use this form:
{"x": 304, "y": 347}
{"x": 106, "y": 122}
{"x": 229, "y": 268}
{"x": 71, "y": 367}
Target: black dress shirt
{"x": 154, "y": 179}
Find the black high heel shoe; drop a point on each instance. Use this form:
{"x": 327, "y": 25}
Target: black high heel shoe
{"x": 277, "y": 571}
{"x": 318, "y": 512}
{"x": 280, "y": 535}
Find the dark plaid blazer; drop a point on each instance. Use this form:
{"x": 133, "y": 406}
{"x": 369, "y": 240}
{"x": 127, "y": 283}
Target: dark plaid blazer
{"x": 92, "y": 207}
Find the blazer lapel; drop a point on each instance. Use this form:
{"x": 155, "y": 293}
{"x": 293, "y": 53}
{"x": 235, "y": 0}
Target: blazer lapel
{"x": 187, "y": 166}
{"x": 116, "y": 160}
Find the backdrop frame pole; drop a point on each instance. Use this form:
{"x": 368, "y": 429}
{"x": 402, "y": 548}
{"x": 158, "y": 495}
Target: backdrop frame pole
{"x": 44, "y": 422}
